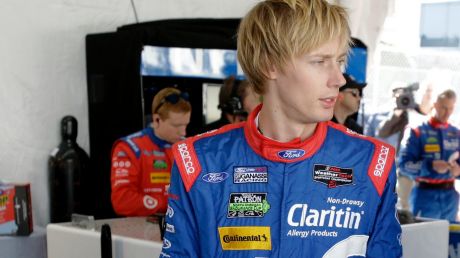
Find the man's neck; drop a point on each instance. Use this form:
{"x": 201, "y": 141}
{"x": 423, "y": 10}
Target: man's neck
{"x": 276, "y": 125}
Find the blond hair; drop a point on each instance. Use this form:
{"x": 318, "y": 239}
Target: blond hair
{"x": 276, "y": 31}
{"x": 162, "y": 107}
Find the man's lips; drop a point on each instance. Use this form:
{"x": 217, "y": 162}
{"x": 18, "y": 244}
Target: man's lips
{"x": 328, "y": 102}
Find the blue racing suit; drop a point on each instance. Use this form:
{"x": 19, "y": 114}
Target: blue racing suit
{"x": 236, "y": 193}
{"x": 434, "y": 195}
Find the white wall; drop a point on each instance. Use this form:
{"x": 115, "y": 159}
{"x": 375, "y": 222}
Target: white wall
{"x": 43, "y": 73}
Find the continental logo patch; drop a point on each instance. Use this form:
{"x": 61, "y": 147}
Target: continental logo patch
{"x": 160, "y": 178}
{"x": 432, "y": 148}
{"x": 245, "y": 238}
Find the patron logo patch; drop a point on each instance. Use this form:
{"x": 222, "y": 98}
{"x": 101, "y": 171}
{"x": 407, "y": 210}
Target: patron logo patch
{"x": 332, "y": 176}
{"x": 244, "y": 175}
{"x": 291, "y": 154}
{"x": 247, "y": 205}
{"x": 245, "y": 238}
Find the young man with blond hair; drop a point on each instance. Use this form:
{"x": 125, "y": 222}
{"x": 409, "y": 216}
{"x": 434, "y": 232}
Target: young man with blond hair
{"x": 286, "y": 183}
{"x": 141, "y": 162}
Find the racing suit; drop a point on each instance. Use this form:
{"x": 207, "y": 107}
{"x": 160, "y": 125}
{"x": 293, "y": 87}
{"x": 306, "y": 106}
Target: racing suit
{"x": 236, "y": 193}
{"x": 434, "y": 195}
{"x": 140, "y": 174}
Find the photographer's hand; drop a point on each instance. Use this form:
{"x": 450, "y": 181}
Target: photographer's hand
{"x": 426, "y": 105}
{"x": 454, "y": 169}
{"x": 441, "y": 166}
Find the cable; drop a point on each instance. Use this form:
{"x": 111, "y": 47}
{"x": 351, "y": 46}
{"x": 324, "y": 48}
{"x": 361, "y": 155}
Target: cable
{"x": 134, "y": 10}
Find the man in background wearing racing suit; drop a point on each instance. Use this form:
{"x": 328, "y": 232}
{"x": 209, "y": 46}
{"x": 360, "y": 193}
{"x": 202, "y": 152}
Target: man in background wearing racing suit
{"x": 141, "y": 162}
{"x": 287, "y": 182}
{"x": 430, "y": 155}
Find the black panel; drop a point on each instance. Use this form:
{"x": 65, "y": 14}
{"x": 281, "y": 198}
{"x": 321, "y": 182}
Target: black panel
{"x": 116, "y": 88}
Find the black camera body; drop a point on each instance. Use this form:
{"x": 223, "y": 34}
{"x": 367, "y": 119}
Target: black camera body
{"x": 405, "y": 96}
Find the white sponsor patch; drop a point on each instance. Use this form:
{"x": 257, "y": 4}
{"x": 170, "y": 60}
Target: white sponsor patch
{"x": 150, "y": 202}
{"x": 170, "y": 212}
{"x": 381, "y": 161}
{"x": 121, "y": 182}
{"x": 244, "y": 175}
{"x": 186, "y": 158}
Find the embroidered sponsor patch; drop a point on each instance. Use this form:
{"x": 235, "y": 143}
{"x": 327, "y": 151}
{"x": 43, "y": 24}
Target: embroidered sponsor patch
{"x": 291, "y": 154}
{"x": 160, "y": 164}
{"x": 244, "y": 175}
{"x": 450, "y": 145}
{"x": 121, "y": 154}
{"x": 432, "y": 148}
{"x": 332, "y": 176}
{"x": 158, "y": 153}
{"x": 245, "y": 238}
{"x": 160, "y": 177}
{"x": 170, "y": 212}
{"x": 170, "y": 228}
{"x": 247, "y": 205}
{"x": 121, "y": 164}
{"x": 432, "y": 140}
{"x": 215, "y": 177}
{"x": 150, "y": 202}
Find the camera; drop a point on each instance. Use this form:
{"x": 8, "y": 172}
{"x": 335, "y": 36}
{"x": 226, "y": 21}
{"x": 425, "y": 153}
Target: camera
{"x": 405, "y": 96}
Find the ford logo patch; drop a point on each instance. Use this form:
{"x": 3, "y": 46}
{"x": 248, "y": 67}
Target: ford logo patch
{"x": 215, "y": 177}
{"x": 291, "y": 154}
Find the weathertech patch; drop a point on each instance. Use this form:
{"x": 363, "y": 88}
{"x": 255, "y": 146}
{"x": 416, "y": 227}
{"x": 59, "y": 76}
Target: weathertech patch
{"x": 332, "y": 176}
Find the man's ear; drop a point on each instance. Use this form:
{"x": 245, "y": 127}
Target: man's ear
{"x": 272, "y": 72}
{"x": 155, "y": 120}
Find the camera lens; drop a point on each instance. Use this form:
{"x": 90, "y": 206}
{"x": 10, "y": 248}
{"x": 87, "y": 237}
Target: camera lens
{"x": 405, "y": 101}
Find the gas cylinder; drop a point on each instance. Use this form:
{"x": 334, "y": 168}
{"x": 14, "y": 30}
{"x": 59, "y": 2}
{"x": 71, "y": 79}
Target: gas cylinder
{"x": 68, "y": 169}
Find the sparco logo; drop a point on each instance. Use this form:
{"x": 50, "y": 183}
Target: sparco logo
{"x": 238, "y": 238}
{"x": 382, "y": 159}
{"x": 291, "y": 154}
{"x": 186, "y": 159}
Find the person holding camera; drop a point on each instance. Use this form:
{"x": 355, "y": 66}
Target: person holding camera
{"x": 430, "y": 155}
{"x": 389, "y": 127}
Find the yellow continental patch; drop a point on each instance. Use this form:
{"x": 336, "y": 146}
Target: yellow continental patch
{"x": 160, "y": 178}
{"x": 245, "y": 238}
{"x": 432, "y": 148}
